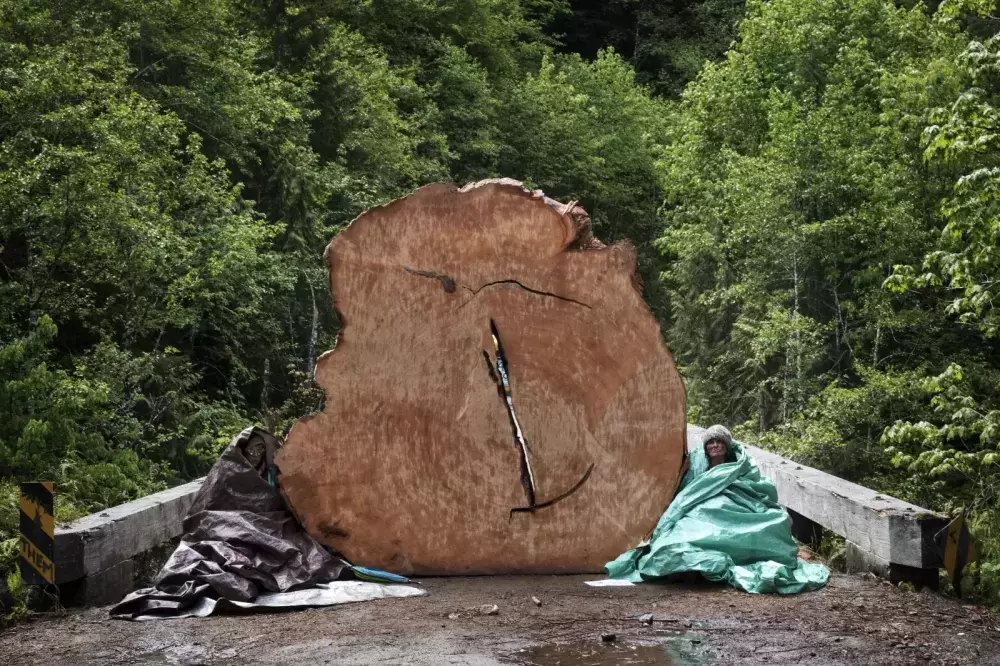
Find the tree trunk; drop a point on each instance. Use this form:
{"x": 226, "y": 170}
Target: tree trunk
{"x": 420, "y": 462}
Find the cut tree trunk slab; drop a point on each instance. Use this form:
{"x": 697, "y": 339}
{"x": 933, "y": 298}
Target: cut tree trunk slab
{"x": 416, "y": 465}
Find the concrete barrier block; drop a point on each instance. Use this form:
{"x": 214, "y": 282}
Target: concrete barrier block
{"x": 100, "y": 589}
{"x": 890, "y": 529}
{"x": 859, "y": 560}
{"x": 100, "y": 541}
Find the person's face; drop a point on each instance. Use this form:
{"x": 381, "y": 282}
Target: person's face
{"x": 254, "y": 453}
{"x": 716, "y": 451}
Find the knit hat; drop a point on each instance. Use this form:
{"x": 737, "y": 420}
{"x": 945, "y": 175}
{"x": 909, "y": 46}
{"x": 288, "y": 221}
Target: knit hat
{"x": 720, "y": 433}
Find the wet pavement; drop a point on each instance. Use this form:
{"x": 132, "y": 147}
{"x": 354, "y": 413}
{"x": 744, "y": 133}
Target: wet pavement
{"x": 855, "y": 620}
{"x": 680, "y": 651}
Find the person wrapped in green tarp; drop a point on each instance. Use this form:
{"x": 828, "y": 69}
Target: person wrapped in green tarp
{"x": 725, "y": 524}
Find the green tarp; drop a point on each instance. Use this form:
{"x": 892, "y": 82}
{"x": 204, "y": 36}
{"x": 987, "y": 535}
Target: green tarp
{"x": 725, "y": 523}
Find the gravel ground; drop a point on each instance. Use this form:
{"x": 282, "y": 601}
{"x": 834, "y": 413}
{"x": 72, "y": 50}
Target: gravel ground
{"x": 856, "y": 620}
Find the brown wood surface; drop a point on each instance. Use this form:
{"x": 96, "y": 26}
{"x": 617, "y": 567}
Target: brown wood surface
{"x": 413, "y": 467}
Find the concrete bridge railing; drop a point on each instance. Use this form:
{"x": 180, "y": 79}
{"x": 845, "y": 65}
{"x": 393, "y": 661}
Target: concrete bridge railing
{"x": 893, "y": 539}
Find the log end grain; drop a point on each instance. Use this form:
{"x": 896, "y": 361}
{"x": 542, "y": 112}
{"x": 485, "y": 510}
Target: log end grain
{"x": 414, "y": 464}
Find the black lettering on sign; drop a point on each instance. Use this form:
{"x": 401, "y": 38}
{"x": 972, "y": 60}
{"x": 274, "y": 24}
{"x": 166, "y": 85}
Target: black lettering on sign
{"x": 37, "y": 534}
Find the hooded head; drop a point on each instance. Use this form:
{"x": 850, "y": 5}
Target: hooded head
{"x": 718, "y": 443}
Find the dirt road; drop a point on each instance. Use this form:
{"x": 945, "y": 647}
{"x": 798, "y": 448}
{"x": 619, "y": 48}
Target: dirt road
{"x": 854, "y": 621}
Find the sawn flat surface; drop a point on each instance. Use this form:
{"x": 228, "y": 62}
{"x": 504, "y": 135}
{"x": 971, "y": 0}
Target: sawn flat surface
{"x": 412, "y": 466}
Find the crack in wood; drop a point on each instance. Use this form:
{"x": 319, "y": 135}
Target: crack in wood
{"x": 449, "y": 284}
{"x": 557, "y": 498}
{"x": 502, "y": 383}
{"x": 493, "y": 373}
{"x": 531, "y": 290}
{"x": 527, "y": 478}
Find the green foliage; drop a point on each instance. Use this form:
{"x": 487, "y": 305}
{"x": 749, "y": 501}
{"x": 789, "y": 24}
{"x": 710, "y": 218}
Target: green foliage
{"x": 831, "y": 227}
{"x": 667, "y": 41}
{"x": 840, "y": 428}
{"x": 957, "y": 456}
{"x": 819, "y": 197}
{"x": 952, "y": 453}
{"x": 794, "y": 184}
{"x": 54, "y": 428}
{"x": 951, "y": 458}
{"x": 171, "y": 173}
{"x": 47, "y": 411}
{"x": 966, "y": 135}
{"x": 586, "y": 132}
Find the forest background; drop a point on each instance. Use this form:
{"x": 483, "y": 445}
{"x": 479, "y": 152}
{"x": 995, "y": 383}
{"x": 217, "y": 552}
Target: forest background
{"x": 813, "y": 187}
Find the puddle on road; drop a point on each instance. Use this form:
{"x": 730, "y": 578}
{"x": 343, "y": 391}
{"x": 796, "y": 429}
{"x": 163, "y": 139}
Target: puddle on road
{"x": 595, "y": 655}
{"x": 605, "y": 654}
{"x": 183, "y": 655}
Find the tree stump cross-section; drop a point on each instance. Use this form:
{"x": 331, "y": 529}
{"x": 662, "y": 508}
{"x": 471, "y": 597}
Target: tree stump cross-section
{"x": 499, "y": 399}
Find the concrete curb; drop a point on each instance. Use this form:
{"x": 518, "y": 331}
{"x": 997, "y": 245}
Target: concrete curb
{"x": 94, "y": 554}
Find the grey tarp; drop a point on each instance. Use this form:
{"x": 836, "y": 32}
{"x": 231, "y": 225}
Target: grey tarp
{"x": 321, "y": 594}
{"x": 242, "y": 545}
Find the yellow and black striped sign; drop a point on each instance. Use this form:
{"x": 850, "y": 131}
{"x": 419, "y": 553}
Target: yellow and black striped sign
{"x": 37, "y": 534}
{"x": 957, "y": 549}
